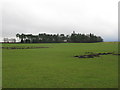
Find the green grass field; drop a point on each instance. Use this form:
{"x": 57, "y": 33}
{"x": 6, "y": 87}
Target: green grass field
{"x": 55, "y": 67}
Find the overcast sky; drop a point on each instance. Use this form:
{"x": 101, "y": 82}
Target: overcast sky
{"x": 60, "y": 16}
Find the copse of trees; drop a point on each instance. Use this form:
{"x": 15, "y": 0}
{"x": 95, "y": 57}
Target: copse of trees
{"x": 59, "y": 38}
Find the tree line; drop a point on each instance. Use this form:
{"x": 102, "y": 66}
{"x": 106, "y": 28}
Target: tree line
{"x": 59, "y": 38}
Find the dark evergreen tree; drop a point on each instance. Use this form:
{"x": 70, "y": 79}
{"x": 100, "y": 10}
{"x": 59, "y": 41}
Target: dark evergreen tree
{"x": 56, "y": 38}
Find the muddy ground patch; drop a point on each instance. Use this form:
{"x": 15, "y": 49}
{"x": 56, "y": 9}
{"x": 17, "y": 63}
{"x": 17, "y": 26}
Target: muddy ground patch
{"x": 92, "y": 55}
{"x": 22, "y": 47}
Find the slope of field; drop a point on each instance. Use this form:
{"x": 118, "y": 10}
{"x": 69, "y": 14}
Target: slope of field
{"x": 56, "y": 66}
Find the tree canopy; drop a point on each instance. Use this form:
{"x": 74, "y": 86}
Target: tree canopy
{"x": 59, "y": 38}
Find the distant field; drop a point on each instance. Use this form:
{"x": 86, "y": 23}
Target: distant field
{"x": 56, "y": 66}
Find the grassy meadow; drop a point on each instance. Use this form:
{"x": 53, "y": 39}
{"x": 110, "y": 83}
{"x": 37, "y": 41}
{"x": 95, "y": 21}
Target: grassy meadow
{"x": 56, "y": 66}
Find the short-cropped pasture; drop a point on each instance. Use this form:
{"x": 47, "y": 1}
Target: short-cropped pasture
{"x": 56, "y": 66}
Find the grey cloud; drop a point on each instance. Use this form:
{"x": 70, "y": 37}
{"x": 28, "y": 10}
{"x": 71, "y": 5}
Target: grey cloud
{"x": 60, "y": 16}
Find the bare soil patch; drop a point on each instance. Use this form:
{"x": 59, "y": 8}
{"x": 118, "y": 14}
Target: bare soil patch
{"x": 22, "y": 47}
{"x": 92, "y": 55}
